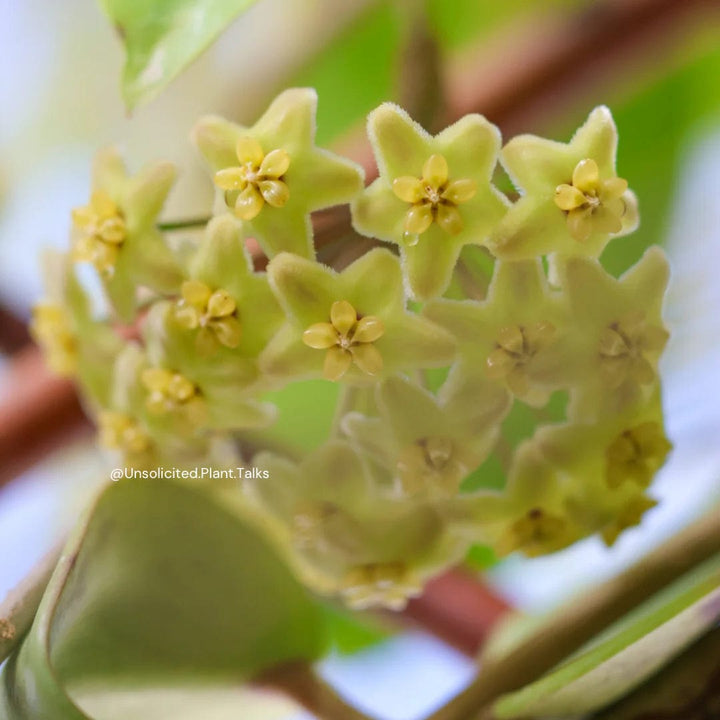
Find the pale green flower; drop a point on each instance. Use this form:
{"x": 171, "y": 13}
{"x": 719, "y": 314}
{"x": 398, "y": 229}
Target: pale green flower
{"x": 516, "y": 337}
{"x": 620, "y": 333}
{"x": 272, "y": 175}
{"x": 343, "y": 536}
{"x": 429, "y": 444}
{"x": 156, "y": 418}
{"x": 572, "y": 200}
{"x": 116, "y": 231}
{"x": 350, "y": 326}
{"x": 224, "y": 304}
{"x": 74, "y": 342}
{"x": 570, "y": 481}
{"x": 215, "y": 392}
{"x": 608, "y": 466}
{"x": 531, "y": 515}
{"x": 433, "y": 195}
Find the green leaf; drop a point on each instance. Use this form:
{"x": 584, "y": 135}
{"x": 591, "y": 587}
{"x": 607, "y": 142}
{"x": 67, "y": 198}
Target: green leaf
{"x": 159, "y": 589}
{"x": 626, "y": 654}
{"x": 162, "y": 37}
{"x": 355, "y": 72}
{"x": 351, "y": 632}
{"x": 296, "y": 429}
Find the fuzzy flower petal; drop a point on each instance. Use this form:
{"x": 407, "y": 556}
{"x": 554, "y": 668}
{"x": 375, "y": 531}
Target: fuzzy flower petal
{"x": 433, "y": 195}
{"x": 572, "y": 201}
{"x": 271, "y": 174}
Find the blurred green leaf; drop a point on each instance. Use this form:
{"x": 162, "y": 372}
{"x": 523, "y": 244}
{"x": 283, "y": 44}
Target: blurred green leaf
{"x": 666, "y": 111}
{"x": 350, "y": 632}
{"x": 627, "y": 654}
{"x": 162, "y": 37}
{"x": 295, "y": 427}
{"x": 481, "y": 557}
{"x": 159, "y": 587}
{"x": 355, "y": 72}
{"x": 461, "y": 21}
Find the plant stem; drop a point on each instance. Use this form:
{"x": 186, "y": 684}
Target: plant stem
{"x": 300, "y": 682}
{"x": 420, "y": 82}
{"x": 349, "y": 399}
{"x": 18, "y": 609}
{"x": 583, "y": 618}
{"x": 188, "y": 224}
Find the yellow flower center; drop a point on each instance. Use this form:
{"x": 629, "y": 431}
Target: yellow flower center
{"x": 433, "y": 198}
{"x": 591, "y": 204}
{"x": 623, "y": 346}
{"x": 348, "y": 339}
{"x": 119, "y": 431}
{"x": 102, "y": 232}
{"x": 636, "y": 454}
{"x": 258, "y": 179}
{"x": 387, "y": 584}
{"x": 515, "y": 347}
{"x": 212, "y": 313}
{"x": 430, "y": 464}
{"x": 171, "y": 392}
{"x": 538, "y": 532}
{"x": 51, "y": 329}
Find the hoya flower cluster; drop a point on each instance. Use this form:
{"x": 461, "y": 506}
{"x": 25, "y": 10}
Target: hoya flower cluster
{"x": 470, "y": 312}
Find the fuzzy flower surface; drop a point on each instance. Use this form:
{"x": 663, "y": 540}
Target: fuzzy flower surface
{"x": 272, "y": 176}
{"x": 344, "y": 536}
{"x": 350, "y": 326}
{"x": 429, "y": 444}
{"x": 433, "y": 195}
{"x": 516, "y": 337}
{"x": 572, "y": 201}
{"x": 116, "y": 231}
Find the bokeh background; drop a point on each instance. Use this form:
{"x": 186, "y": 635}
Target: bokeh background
{"x": 529, "y": 66}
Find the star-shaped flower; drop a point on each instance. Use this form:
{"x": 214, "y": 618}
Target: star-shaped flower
{"x": 117, "y": 231}
{"x": 433, "y": 195}
{"x": 224, "y": 305}
{"x": 608, "y": 466}
{"x": 622, "y": 450}
{"x": 531, "y": 515}
{"x": 572, "y": 200}
{"x": 74, "y": 342}
{"x": 570, "y": 481}
{"x": 350, "y": 326}
{"x": 620, "y": 332}
{"x": 429, "y": 444}
{"x": 154, "y": 417}
{"x": 272, "y": 176}
{"x": 216, "y": 392}
{"x": 516, "y": 337}
{"x": 343, "y": 536}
